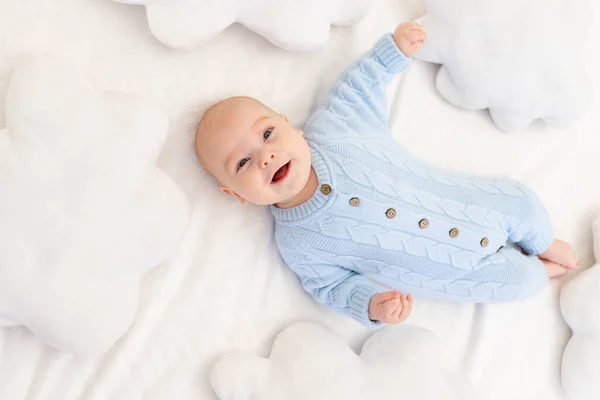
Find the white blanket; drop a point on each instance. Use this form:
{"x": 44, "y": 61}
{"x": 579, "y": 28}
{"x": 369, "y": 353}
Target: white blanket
{"x": 227, "y": 289}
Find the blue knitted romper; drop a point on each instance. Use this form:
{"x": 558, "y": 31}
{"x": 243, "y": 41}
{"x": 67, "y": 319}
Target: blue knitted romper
{"x": 381, "y": 219}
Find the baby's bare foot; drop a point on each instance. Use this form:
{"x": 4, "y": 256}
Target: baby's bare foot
{"x": 561, "y": 253}
{"x": 554, "y": 270}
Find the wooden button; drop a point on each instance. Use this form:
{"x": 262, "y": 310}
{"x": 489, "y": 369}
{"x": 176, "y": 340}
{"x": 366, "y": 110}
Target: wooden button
{"x": 453, "y": 233}
{"x": 484, "y": 242}
{"x": 326, "y": 189}
{"x": 355, "y": 202}
{"x": 391, "y": 213}
{"x": 423, "y": 223}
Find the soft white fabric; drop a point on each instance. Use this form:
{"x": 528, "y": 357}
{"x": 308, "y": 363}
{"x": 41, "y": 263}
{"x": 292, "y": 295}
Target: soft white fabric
{"x": 292, "y": 24}
{"x": 580, "y": 305}
{"x": 521, "y": 59}
{"x": 84, "y": 209}
{"x": 226, "y": 289}
{"x": 309, "y": 361}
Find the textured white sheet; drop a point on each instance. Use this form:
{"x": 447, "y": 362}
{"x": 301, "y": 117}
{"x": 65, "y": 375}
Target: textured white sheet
{"x": 226, "y": 289}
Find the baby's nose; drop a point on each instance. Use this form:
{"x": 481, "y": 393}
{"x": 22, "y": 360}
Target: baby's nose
{"x": 267, "y": 158}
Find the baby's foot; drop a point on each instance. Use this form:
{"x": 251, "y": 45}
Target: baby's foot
{"x": 554, "y": 270}
{"x": 561, "y": 253}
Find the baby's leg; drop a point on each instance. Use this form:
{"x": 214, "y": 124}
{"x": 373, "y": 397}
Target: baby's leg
{"x": 561, "y": 253}
{"x": 508, "y": 275}
{"x": 529, "y": 226}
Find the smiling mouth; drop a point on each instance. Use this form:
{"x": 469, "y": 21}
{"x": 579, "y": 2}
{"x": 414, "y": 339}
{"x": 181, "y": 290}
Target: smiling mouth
{"x": 281, "y": 173}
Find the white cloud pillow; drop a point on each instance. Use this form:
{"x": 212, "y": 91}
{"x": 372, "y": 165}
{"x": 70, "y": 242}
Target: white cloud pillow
{"x": 301, "y": 25}
{"x": 85, "y": 211}
{"x": 580, "y": 305}
{"x": 521, "y": 59}
{"x": 308, "y": 361}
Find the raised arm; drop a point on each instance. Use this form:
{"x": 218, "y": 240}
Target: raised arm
{"x": 358, "y": 96}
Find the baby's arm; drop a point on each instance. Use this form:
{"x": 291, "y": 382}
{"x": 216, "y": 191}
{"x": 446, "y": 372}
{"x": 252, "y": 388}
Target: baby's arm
{"x": 358, "y": 96}
{"x": 339, "y": 289}
{"x": 354, "y": 295}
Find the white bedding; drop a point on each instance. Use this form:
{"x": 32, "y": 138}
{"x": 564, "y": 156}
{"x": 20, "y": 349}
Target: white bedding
{"x": 226, "y": 288}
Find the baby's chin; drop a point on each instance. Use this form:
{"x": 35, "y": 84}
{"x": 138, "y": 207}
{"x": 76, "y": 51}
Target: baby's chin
{"x": 284, "y": 199}
{"x": 270, "y": 199}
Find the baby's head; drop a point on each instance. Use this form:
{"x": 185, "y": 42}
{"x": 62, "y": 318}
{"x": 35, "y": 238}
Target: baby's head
{"x": 256, "y": 154}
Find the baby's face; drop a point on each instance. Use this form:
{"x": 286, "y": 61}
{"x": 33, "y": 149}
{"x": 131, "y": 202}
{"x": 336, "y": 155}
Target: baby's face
{"x": 255, "y": 153}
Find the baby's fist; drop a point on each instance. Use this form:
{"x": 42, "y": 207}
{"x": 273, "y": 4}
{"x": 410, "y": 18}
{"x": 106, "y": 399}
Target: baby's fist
{"x": 390, "y": 307}
{"x": 409, "y": 37}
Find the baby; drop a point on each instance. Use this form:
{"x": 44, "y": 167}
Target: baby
{"x": 360, "y": 220}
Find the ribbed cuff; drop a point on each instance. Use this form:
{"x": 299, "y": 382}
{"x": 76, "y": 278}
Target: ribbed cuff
{"x": 390, "y": 55}
{"x": 537, "y": 246}
{"x": 359, "y": 302}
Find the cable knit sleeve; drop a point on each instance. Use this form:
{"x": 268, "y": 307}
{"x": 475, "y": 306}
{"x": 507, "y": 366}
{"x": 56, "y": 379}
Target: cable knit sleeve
{"x": 357, "y": 101}
{"x": 334, "y": 286}
{"x": 339, "y": 289}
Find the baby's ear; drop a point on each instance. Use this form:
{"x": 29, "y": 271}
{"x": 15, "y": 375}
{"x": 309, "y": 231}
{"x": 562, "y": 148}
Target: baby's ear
{"x": 231, "y": 193}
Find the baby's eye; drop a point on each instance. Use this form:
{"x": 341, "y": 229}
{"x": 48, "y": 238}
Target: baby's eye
{"x": 242, "y": 163}
{"x": 267, "y": 133}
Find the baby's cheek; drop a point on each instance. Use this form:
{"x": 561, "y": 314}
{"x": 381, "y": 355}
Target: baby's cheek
{"x": 244, "y": 184}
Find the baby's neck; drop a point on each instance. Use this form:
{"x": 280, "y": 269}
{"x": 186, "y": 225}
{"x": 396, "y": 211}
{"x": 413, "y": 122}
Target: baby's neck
{"x": 305, "y": 194}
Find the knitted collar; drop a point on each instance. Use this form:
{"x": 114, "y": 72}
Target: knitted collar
{"x": 319, "y": 200}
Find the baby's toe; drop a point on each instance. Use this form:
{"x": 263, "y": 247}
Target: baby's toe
{"x": 574, "y": 262}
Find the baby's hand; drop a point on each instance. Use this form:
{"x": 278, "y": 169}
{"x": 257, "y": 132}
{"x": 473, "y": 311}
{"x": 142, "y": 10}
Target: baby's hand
{"x": 409, "y": 37}
{"x": 390, "y": 307}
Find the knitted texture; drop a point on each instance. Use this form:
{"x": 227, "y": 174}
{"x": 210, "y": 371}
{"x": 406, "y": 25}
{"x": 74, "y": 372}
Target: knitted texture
{"x": 383, "y": 219}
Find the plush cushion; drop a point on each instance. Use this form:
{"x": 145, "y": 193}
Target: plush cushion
{"x": 579, "y": 301}
{"x": 292, "y": 24}
{"x": 308, "y": 361}
{"x": 85, "y": 211}
{"x": 520, "y": 59}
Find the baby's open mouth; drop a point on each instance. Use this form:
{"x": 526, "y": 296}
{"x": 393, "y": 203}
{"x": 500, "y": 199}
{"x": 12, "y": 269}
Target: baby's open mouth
{"x": 281, "y": 173}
